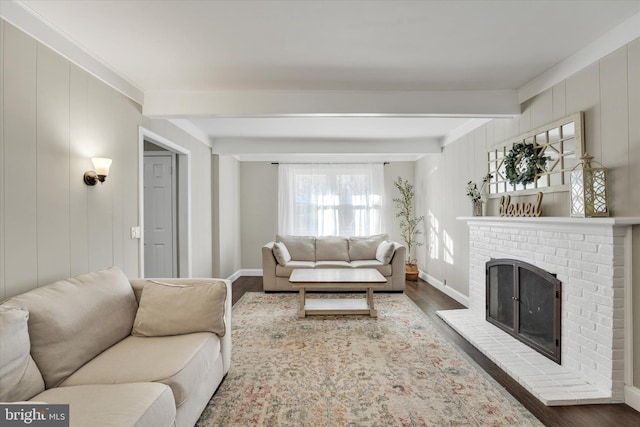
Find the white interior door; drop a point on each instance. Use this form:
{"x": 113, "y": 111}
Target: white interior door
{"x": 159, "y": 216}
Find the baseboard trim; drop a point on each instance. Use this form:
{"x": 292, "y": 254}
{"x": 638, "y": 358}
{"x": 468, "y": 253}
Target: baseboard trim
{"x": 245, "y": 272}
{"x": 462, "y": 299}
{"x": 632, "y": 397}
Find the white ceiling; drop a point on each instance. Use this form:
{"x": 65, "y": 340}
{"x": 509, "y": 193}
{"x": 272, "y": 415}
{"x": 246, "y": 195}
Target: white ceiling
{"x": 339, "y": 47}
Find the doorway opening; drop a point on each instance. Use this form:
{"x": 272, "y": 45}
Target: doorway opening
{"x": 164, "y": 193}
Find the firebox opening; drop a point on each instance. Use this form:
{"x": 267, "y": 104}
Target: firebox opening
{"x": 524, "y": 301}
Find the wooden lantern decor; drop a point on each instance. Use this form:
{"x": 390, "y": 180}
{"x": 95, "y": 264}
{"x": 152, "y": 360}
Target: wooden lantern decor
{"x": 589, "y": 189}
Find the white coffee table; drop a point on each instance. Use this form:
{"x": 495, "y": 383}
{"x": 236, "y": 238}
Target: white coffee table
{"x": 328, "y": 278}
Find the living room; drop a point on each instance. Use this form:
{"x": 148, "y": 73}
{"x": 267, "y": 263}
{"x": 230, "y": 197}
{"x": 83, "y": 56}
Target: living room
{"x": 62, "y": 106}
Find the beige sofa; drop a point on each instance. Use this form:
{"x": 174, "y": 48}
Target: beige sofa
{"x": 286, "y": 253}
{"x": 119, "y": 352}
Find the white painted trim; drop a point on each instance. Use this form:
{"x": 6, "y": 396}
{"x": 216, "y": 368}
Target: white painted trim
{"x": 21, "y": 16}
{"x": 251, "y": 272}
{"x": 253, "y": 146}
{"x": 463, "y": 130}
{"x": 621, "y": 35}
{"x": 234, "y": 276}
{"x": 191, "y": 129}
{"x": 478, "y": 103}
{"x": 184, "y": 194}
{"x": 632, "y": 397}
{"x": 462, "y": 299}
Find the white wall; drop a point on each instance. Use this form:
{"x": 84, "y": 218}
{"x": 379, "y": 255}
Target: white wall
{"x": 55, "y": 117}
{"x": 259, "y": 205}
{"x": 226, "y": 216}
{"x": 608, "y": 91}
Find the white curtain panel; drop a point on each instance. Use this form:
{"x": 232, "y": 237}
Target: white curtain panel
{"x": 330, "y": 199}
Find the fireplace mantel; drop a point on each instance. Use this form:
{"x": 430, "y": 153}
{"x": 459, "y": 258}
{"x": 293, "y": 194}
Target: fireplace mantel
{"x": 553, "y": 220}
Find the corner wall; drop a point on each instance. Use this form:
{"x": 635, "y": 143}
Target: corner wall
{"x": 608, "y": 91}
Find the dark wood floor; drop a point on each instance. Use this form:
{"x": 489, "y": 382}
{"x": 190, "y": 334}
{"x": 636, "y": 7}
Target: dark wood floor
{"x": 431, "y": 300}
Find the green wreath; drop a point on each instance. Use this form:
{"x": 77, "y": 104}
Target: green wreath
{"x": 523, "y": 163}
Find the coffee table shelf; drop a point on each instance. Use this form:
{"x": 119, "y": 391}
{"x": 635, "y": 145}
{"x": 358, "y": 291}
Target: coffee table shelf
{"x": 322, "y": 279}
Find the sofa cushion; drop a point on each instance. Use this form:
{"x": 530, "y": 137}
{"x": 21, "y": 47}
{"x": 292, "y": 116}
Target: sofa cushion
{"x": 384, "y": 253}
{"x": 74, "y": 320}
{"x": 135, "y": 404}
{"x": 168, "y": 309}
{"x": 384, "y": 269}
{"x": 281, "y": 253}
{"x": 285, "y": 270}
{"x": 301, "y": 248}
{"x": 178, "y": 361}
{"x": 20, "y": 378}
{"x": 331, "y": 248}
{"x": 333, "y": 264}
{"x": 363, "y": 248}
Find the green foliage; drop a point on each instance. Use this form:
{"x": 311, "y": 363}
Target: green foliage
{"x": 523, "y": 163}
{"x": 475, "y": 193}
{"x": 409, "y": 224}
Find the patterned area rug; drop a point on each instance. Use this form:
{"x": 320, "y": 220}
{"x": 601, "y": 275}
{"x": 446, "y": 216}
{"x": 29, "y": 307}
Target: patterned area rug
{"x": 396, "y": 370}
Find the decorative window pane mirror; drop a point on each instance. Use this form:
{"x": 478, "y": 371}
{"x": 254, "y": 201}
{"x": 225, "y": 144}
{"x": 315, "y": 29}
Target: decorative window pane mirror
{"x": 561, "y": 142}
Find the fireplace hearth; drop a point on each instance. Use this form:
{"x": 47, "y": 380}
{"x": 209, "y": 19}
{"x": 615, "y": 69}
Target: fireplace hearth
{"x": 524, "y": 301}
{"x": 592, "y": 259}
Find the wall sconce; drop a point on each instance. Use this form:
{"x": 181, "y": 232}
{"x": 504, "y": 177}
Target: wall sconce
{"x": 589, "y": 189}
{"x": 101, "y": 166}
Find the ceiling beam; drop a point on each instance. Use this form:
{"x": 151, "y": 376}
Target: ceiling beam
{"x": 275, "y": 147}
{"x": 480, "y": 103}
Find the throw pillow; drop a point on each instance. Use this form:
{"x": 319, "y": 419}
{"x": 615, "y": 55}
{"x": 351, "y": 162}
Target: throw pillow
{"x": 281, "y": 253}
{"x": 168, "y": 309}
{"x": 384, "y": 253}
{"x": 301, "y": 248}
{"x": 330, "y": 248}
{"x": 364, "y": 248}
{"x": 20, "y": 378}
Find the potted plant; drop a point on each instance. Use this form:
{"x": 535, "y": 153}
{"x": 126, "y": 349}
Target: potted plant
{"x": 476, "y": 194}
{"x": 409, "y": 230}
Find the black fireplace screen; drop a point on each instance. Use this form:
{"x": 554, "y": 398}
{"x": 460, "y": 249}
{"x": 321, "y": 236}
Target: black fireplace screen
{"x": 524, "y": 301}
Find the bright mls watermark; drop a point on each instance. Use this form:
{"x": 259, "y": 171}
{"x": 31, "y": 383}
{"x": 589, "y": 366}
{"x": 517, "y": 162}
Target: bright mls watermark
{"x": 36, "y": 415}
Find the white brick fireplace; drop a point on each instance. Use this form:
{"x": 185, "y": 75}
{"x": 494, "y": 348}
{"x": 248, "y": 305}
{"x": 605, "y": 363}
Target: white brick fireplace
{"x": 591, "y": 257}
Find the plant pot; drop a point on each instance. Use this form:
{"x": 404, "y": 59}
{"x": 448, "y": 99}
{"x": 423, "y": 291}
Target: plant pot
{"x": 411, "y": 271}
{"x": 477, "y": 208}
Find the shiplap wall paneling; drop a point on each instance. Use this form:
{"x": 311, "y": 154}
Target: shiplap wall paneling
{"x": 559, "y": 101}
{"x": 583, "y": 94}
{"x": 20, "y": 168}
{"x": 633, "y": 75}
{"x": 2, "y": 161}
{"x": 634, "y": 126}
{"x": 99, "y": 196}
{"x": 615, "y": 129}
{"x": 78, "y": 164}
{"x": 52, "y": 161}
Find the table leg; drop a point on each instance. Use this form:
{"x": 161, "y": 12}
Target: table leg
{"x": 372, "y": 310}
{"x": 301, "y": 303}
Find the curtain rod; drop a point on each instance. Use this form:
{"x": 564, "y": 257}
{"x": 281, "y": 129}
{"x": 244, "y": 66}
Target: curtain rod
{"x": 328, "y": 163}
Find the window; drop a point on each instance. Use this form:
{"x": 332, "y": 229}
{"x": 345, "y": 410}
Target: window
{"x": 330, "y": 199}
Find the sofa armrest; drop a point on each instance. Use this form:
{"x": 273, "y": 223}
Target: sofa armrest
{"x": 225, "y": 341}
{"x": 268, "y": 267}
{"x": 398, "y": 266}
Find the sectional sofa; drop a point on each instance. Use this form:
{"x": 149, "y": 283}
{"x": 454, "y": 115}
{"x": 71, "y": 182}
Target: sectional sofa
{"x": 119, "y": 352}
